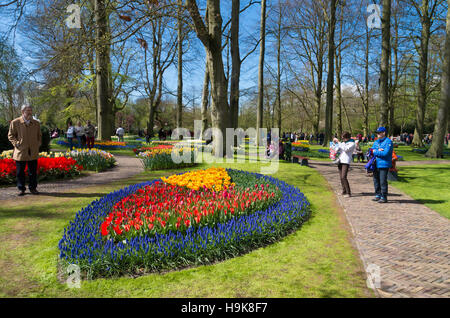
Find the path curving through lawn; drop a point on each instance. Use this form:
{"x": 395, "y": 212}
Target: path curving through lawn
{"x": 406, "y": 240}
{"x": 126, "y": 167}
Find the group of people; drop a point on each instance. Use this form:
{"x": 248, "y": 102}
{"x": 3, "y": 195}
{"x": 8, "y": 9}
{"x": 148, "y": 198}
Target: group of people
{"x": 85, "y": 135}
{"x": 295, "y": 136}
{"x": 382, "y": 150}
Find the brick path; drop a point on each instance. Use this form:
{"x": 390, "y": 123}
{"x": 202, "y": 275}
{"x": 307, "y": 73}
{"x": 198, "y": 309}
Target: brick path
{"x": 408, "y": 241}
{"x": 126, "y": 167}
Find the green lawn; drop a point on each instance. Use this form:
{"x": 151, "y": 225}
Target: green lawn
{"x": 428, "y": 184}
{"x": 318, "y": 260}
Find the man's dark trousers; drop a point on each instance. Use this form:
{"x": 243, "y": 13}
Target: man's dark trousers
{"x": 380, "y": 182}
{"x": 32, "y": 174}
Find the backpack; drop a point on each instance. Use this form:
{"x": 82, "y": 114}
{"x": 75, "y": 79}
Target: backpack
{"x": 371, "y": 164}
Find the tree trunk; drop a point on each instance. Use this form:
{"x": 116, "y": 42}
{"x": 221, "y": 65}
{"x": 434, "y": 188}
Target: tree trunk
{"x": 338, "y": 75}
{"x": 180, "y": 69}
{"x": 330, "y": 78}
{"x": 236, "y": 64}
{"x": 260, "y": 103}
{"x": 385, "y": 56}
{"x": 366, "y": 86}
{"x": 423, "y": 70}
{"x": 205, "y": 98}
{"x": 440, "y": 128}
{"x": 102, "y": 62}
{"x": 211, "y": 37}
{"x": 278, "y": 92}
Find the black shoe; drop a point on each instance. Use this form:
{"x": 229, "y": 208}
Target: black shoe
{"x": 34, "y": 191}
{"x": 21, "y": 193}
{"x": 376, "y": 199}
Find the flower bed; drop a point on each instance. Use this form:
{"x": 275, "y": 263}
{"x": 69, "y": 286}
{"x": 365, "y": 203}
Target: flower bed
{"x": 302, "y": 145}
{"x": 47, "y": 168}
{"x": 266, "y": 210}
{"x": 93, "y": 159}
{"x": 160, "y": 158}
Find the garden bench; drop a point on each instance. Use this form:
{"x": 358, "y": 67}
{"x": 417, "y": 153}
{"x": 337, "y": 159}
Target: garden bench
{"x": 300, "y": 159}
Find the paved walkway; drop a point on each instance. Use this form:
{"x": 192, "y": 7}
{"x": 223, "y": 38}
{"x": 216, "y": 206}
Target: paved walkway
{"x": 408, "y": 241}
{"x": 126, "y": 167}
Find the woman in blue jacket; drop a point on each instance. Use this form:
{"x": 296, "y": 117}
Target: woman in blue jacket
{"x": 382, "y": 150}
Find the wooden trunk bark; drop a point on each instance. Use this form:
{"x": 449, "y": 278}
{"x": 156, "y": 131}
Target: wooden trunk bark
{"x": 102, "y": 78}
{"x": 330, "y": 77}
{"x": 423, "y": 70}
{"x": 385, "y": 56}
{"x": 180, "y": 68}
{"x": 235, "y": 64}
{"x": 260, "y": 102}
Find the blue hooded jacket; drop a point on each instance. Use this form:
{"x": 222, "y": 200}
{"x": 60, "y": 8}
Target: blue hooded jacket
{"x": 384, "y": 158}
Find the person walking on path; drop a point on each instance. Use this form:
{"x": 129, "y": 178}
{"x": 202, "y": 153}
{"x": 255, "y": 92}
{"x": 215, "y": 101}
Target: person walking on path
{"x": 90, "y": 134}
{"x": 120, "y": 132}
{"x": 26, "y": 137}
{"x": 382, "y": 151}
{"x": 346, "y": 148}
{"x": 79, "y": 132}
{"x": 70, "y": 134}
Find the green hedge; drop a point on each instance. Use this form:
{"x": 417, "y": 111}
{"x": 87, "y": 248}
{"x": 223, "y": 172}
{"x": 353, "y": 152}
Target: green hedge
{"x": 6, "y": 145}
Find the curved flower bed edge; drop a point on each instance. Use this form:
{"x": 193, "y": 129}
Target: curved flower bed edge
{"x": 82, "y": 243}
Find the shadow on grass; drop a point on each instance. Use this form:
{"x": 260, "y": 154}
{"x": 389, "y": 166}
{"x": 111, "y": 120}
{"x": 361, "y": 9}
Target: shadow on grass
{"x": 418, "y": 201}
{"x": 31, "y": 212}
{"x": 71, "y": 194}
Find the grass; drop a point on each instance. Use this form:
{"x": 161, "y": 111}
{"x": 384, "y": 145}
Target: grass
{"x": 428, "y": 184}
{"x": 318, "y": 260}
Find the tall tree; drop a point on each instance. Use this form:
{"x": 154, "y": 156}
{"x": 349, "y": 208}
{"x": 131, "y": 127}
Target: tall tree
{"x": 235, "y": 64}
{"x": 443, "y": 115}
{"x": 102, "y": 45}
{"x": 210, "y": 34}
{"x": 330, "y": 78}
{"x": 205, "y": 100}
{"x": 180, "y": 65}
{"x": 11, "y": 78}
{"x": 260, "y": 102}
{"x": 385, "y": 57}
{"x": 278, "y": 35}
{"x": 426, "y": 14}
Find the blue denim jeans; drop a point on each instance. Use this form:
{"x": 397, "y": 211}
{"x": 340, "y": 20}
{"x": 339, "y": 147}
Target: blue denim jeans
{"x": 70, "y": 140}
{"x": 380, "y": 182}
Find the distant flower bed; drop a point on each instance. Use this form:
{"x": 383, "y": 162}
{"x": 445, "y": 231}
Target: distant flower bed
{"x": 104, "y": 145}
{"x": 47, "y": 168}
{"x": 302, "y": 145}
{"x": 156, "y": 226}
{"x": 160, "y": 157}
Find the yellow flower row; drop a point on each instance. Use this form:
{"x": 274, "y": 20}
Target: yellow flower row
{"x": 212, "y": 178}
{"x": 302, "y": 143}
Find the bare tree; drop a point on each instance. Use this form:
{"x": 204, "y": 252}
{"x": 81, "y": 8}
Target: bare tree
{"x": 260, "y": 103}
{"x": 210, "y": 34}
{"x": 442, "y": 117}
{"x": 330, "y": 77}
{"x": 385, "y": 57}
{"x": 426, "y": 12}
